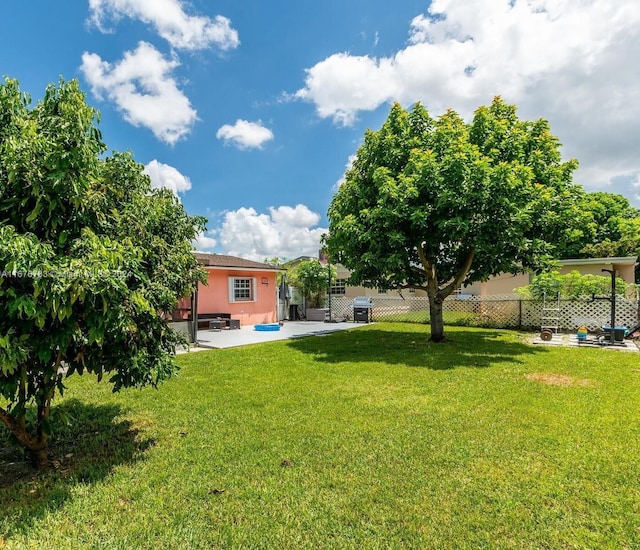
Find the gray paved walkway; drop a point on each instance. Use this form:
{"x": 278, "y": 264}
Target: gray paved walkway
{"x": 247, "y": 335}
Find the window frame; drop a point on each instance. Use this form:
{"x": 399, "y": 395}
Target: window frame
{"x": 338, "y": 287}
{"x": 233, "y": 289}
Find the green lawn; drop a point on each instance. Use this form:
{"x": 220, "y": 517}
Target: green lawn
{"x": 371, "y": 438}
{"x": 457, "y": 318}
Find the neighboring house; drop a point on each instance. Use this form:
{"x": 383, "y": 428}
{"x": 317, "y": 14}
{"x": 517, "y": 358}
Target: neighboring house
{"x": 502, "y": 284}
{"x": 244, "y": 289}
{"x": 506, "y": 283}
{"x": 339, "y": 286}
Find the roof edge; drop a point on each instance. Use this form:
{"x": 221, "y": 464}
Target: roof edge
{"x": 244, "y": 268}
{"x": 618, "y": 260}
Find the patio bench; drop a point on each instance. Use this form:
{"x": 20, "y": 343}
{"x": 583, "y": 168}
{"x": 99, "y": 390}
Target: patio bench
{"x": 223, "y": 323}
{"x": 204, "y": 318}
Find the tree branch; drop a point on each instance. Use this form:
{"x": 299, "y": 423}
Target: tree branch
{"x": 430, "y": 272}
{"x": 8, "y": 420}
{"x": 22, "y": 397}
{"x": 462, "y": 273}
{"x": 23, "y": 437}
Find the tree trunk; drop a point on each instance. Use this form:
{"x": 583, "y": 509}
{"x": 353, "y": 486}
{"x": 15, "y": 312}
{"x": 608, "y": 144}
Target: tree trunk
{"x": 437, "y": 321}
{"x": 40, "y": 454}
{"x": 35, "y": 445}
{"x": 41, "y": 457}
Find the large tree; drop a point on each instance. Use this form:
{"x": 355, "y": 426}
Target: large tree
{"x": 439, "y": 203}
{"x": 90, "y": 257}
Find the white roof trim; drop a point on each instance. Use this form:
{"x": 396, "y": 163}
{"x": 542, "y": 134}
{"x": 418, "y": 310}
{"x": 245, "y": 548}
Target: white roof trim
{"x": 242, "y": 268}
{"x": 622, "y": 260}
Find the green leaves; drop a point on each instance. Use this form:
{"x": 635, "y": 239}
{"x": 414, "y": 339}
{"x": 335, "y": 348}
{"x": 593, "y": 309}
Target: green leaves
{"x": 90, "y": 255}
{"x": 608, "y": 226}
{"x": 571, "y": 285}
{"x": 442, "y": 203}
{"x": 312, "y": 279}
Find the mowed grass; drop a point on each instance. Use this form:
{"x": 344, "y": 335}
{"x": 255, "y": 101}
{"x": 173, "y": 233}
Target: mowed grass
{"x": 457, "y": 318}
{"x": 370, "y": 438}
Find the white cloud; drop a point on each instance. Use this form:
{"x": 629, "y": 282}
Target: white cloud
{"x": 299, "y": 216}
{"x": 347, "y": 167}
{"x": 342, "y": 85}
{"x": 142, "y": 87}
{"x": 286, "y": 232}
{"x": 569, "y": 61}
{"x": 182, "y": 31}
{"x": 635, "y": 185}
{"x": 244, "y": 134}
{"x": 204, "y": 242}
{"x": 163, "y": 175}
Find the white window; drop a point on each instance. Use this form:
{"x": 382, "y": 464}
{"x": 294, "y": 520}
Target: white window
{"x": 242, "y": 289}
{"x": 412, "y": 290}
{"x": 338, "y": 287}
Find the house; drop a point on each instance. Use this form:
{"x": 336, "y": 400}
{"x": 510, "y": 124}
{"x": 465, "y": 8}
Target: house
{"x": 340, "y": 287}
{"x": 236, "y": 288}
{"x": 341, "y": 294}
{"x": 245, "y": 289}
{"x": 506, "y": 283}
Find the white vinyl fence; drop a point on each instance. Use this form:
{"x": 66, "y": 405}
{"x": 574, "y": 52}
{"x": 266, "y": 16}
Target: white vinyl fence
{"x": 503, "y": 311}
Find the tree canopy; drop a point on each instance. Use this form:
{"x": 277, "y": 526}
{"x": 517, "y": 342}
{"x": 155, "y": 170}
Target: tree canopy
{"x": 439, "y": 203}
{"x": 90, "y": 257}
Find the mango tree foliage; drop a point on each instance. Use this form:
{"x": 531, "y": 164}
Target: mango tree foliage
{"x": 90, "y": 255}
{"x": 440, "y": 203}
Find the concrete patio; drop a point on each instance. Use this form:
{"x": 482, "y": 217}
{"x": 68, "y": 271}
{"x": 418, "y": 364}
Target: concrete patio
{"x": 212, "y": 339}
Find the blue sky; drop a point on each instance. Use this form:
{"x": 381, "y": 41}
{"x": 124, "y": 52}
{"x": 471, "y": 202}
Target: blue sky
{"x": 250, "y": 110}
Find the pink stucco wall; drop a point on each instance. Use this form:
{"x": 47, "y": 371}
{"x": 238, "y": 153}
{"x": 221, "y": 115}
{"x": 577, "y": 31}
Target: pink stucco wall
{"x": 214, "y": 298}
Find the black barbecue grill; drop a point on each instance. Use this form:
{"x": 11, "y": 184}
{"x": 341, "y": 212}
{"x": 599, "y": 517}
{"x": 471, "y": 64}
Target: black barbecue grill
{"x": 362, "y": 308}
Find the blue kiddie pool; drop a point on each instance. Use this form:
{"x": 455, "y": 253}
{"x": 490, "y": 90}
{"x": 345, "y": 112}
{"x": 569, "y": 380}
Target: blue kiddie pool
{"x": 267, "y": 327}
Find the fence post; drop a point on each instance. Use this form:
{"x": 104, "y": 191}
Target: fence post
{"x": 520, "y": 313}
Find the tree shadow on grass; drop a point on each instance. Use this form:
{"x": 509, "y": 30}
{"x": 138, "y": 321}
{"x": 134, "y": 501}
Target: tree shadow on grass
{"x": 475, "y": 348}
{"x": 83, "y": 450}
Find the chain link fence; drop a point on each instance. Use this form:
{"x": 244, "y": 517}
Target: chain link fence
{"x": 500, "y": 311}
